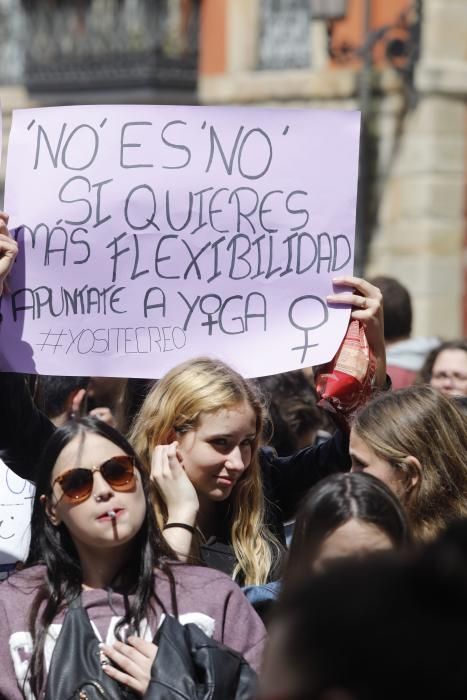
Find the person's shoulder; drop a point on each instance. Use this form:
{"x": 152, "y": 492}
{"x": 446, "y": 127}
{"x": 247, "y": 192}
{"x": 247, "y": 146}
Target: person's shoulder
{"x": 21, "y": 586}
{"x": 199, "y": 576}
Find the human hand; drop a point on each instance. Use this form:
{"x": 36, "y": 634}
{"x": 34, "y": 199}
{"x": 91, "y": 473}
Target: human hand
{"x": 174, "y": 485}
{"x": 134, "y": 660}
{"x": 367, "y": 307}
{"x": 104, "y": 414}
{"x": 8, "y": 250}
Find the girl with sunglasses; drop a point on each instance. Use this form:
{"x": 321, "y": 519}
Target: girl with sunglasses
{"x": 95, "y": 541}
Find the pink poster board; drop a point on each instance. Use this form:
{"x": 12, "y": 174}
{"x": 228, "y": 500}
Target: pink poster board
{"x": 152, "y": 234}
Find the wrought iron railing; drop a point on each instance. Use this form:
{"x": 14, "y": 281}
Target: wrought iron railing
{"x": 111, "y": 44}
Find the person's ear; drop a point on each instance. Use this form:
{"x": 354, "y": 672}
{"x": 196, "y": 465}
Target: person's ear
{"x": 50, "y": 510}
{"x": 414, "y": 473}
{"x": 171, "y": 436}
{"x": 74, "y": 403}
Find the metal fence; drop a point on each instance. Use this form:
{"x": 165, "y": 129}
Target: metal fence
{"x": 71, "y": 45}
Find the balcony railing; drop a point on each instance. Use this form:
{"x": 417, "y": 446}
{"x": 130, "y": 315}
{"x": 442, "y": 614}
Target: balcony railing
{"x": 111, "y": 44}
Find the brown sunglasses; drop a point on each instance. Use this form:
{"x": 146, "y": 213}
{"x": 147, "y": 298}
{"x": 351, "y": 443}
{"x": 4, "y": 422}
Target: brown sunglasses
{"x": 77, "y": 483}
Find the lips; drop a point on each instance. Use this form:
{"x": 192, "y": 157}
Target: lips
{"x": 116, "y": 512}
{"x": 225, "y": 481}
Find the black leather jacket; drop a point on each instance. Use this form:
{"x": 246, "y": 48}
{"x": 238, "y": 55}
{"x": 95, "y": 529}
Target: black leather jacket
{"x": 191, "y": 666}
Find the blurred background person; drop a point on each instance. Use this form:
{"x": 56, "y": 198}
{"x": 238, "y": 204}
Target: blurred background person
{"x": 405, "y": 355}
{"x": 445, "y": 368}
{"x": 61, "y": 398}
{"x": 295, "y": 419}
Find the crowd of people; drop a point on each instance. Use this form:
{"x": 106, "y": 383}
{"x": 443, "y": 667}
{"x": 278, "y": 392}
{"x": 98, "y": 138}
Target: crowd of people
{"x": 162, "y": 561}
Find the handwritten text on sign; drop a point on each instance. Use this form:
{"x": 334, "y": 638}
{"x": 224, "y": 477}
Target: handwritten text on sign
{"x": 153, "y": 234}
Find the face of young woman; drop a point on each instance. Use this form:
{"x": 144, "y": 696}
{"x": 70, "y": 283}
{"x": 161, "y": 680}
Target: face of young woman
{"x": 364, "y": 459}
{"x": 449, "y": 373}
{"x": 219, "y": 450}
{"x": 88, "y": 522}
{"x": 355, "y": 538}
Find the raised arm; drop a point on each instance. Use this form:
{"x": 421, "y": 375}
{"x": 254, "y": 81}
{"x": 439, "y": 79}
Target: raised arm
{"x": 8, "y": 250}
{"x": 24, "y": 430}
{"x": 179, "y": 497}
{"x": 288, "y": 478}
{"x": 367, "y": 307}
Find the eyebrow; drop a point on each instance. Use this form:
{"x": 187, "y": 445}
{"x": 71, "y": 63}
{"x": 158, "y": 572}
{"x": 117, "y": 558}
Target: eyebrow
{"x": 229, "y": 435}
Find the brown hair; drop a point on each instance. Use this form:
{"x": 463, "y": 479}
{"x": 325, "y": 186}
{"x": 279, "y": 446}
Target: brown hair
{"x": 421, "y": 422}
{"x": 427, "y": 368}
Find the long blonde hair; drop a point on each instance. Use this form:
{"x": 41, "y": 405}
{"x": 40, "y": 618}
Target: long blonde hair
{"x": 420, "y": 422}
{"x": 204, "y": 385}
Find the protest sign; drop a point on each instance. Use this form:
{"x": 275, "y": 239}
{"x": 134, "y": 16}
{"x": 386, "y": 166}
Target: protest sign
{"x": 16, "y": 496}
{"x": 149, "y": 235}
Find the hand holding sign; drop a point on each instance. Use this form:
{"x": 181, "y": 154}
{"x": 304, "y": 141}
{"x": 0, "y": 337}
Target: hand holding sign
{"x": 367, "y": 303}
{"x": 8, "y": 250}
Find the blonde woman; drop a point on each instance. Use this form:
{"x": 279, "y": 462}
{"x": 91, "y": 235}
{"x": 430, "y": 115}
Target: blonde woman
{"x": 415, "y": 440}
{"x": 218, "y": 495}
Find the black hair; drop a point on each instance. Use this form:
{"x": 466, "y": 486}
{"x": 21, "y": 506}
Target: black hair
{"x": 291, "y": 402}
{"x": 54, "y": 392}
{"x": 135, "y": 393}
{"x": 334, "y": 501}
{"x": 53, "y": 546}
{"x": 388, "y": 627}
{"x": 427, "y": 368}
{"x": 397, "y": 307}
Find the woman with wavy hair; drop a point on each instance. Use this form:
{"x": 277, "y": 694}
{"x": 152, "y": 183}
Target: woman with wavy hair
{"x": 415, "y": 440}
{"x": 205, "y": 466}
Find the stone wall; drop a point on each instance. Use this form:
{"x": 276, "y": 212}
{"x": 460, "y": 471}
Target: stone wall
{"x": 421, "y": 226}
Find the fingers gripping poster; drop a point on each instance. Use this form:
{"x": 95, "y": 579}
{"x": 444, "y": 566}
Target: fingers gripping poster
{"x": 149, "y": 235}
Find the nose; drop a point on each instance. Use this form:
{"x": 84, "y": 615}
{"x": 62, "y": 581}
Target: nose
{"x": 102, "y": 491}
{"x": 234, "y": 461}
{"x": 447, "y": 383}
